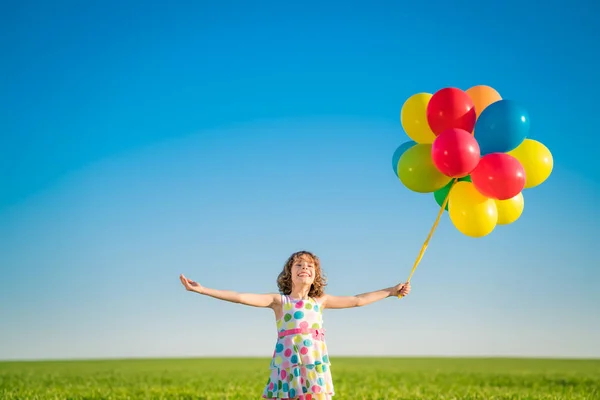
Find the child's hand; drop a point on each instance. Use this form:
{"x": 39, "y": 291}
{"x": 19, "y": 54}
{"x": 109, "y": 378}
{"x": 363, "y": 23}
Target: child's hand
{"x": 190, "y": 285}
{"x": 402, "y": 289}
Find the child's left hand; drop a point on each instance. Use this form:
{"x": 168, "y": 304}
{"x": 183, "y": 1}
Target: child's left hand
{"x": 402, "y": 289}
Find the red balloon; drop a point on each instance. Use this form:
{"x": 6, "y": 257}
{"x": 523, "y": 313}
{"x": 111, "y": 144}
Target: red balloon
{"x": 455, "y": 153}
{"x": 451, "y": 108}
{"x": 499, "y": 176}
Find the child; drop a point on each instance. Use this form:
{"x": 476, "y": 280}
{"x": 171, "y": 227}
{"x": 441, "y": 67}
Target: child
{"x": 300, "y": 363}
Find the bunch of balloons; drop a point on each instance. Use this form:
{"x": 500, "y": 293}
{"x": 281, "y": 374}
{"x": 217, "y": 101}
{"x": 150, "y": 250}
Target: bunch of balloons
{"x": 471, "y": 150}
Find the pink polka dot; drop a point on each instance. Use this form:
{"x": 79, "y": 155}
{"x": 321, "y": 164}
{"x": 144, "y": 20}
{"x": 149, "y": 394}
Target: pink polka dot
{"x": 304, "y": 325}
{"x": 303, "y": 350}
{"x": 288, "y": 352}
{"x": 285, "y": 364}
{"x": 302, "y": 381}
{"x": 271, "y": 386}
{"x": 283, "y": 374}
{"x": 300, "y": 304}
{"x": 316, "y": 389}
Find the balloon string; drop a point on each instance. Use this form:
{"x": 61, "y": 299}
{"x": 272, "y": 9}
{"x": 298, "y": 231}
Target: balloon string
{"x": 426, "y": 243}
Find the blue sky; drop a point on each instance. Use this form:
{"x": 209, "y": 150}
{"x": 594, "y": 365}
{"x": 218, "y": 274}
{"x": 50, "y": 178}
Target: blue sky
{"x": 139, "y": 141}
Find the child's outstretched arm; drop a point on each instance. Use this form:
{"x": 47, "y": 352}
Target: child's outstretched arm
{"x": 363, "y": 299}
{"x": 267, "y": 300}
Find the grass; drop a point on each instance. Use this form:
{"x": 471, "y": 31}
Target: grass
{"x": 354, "y": 378}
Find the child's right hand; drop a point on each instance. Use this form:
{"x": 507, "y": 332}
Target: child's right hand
{"x": 190, "y": 285}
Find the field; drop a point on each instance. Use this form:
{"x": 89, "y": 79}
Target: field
{"x": 354, "y": 378}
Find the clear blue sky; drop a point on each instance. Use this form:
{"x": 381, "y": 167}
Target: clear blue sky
{"x": 141, "y": 141}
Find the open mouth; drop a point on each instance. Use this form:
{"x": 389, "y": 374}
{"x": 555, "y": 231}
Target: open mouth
{"x": 304, "y": 275}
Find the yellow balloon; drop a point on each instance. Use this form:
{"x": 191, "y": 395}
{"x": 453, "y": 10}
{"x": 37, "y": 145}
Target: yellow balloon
{"x": 510, "y": 210}
{"x": 472, "y": 213}
{"x": 537, "y": 161}
{"x": 413, "y": 118}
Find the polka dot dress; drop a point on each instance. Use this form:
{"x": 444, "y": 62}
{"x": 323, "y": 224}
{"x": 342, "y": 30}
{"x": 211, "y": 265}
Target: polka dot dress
{"x": 300, "y": 364}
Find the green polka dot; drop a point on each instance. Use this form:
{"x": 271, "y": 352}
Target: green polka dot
{"x": 319, "y": 368}
{"x": 287, "y": 317}
{"x": 269, "y": 394}
{"x": 298, "y": 315}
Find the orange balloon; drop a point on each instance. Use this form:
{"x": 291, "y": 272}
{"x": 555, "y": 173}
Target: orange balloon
{"x": 483, "y": 96}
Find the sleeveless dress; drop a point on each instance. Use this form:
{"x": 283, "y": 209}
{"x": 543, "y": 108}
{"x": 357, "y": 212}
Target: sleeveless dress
{"x": 300, "y": 367}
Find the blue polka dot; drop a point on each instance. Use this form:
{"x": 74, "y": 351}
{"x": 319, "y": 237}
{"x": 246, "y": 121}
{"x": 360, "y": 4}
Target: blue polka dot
{"x": 298, "y": 315}
{"x": 279, "y": 348}
{"x": 308, "y": 342}
{"x": 317, "y": 362}
{"x": 324, "y": 367}
{"x": 285, "y": 387}
{"x": 320, "y": 382}
{"x": 296, "y": 372}
{"x": 325, "y": 359}
{"x": 316, "y": 308}
{"x": 310, "y": 366}
{"x": 294, "y": 359}
{"x": 292, "y": 392}
{"x": 304, "y": 389}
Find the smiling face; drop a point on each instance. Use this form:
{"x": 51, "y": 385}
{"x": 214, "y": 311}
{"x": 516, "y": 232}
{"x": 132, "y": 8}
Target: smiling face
{"x": 302, "y": 269}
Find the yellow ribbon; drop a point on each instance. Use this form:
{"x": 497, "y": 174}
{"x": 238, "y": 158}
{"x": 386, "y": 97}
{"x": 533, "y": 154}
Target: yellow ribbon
{"x": 426, "y": 243}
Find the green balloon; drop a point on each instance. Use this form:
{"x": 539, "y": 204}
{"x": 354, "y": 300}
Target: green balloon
{"x": 440, "y": 195}
{"x": 417, "y": 171}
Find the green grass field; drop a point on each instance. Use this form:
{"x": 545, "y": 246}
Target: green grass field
{"x": 354, "y": 378}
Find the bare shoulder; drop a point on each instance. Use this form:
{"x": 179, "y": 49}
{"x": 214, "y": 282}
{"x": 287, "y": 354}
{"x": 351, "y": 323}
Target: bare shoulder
{"x": 322, "y": 300}
{"x": 276, "y": 299}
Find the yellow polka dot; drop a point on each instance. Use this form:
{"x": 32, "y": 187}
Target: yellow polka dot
{"x": 279, "y": 324}
{"x": 278, "y": 360}
{"x": 290, "y": 325}
{"x": 297, "y": 339}
{"x": 315, "y": 326}
{"x": 312, "y": 375}
{"x": 287, "y": 306}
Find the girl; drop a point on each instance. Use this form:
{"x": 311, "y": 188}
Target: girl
{"x": 300, "y": 362}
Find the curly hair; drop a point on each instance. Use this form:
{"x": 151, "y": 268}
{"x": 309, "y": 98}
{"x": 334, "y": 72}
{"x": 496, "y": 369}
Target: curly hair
{"x": 284, "y": 280}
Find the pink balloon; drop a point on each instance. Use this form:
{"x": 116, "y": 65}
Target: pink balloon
{"x": 499, "y": 176}
{"x": 455, "y": 153}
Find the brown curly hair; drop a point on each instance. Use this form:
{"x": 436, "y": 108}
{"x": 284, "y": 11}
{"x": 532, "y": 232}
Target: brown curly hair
{"x": 284, "y": 280}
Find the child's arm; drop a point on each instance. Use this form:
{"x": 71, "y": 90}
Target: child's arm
{"x": 363, "y": 299}
{"x": 267, "y": 300}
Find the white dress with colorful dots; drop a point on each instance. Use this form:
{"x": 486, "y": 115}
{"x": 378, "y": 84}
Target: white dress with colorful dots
{"x": 300, "y": 364}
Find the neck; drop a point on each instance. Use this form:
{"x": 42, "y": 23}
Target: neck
{"x": 300, "y": 292}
